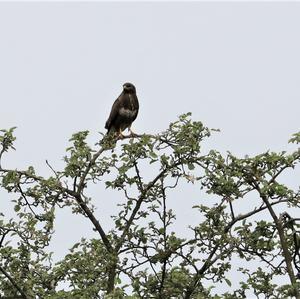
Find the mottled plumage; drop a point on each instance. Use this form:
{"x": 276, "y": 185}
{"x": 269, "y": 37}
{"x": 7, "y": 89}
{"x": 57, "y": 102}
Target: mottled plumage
{"x": 124, "y": 111}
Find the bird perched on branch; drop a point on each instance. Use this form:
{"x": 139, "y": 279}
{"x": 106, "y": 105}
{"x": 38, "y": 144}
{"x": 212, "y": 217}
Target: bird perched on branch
{"x": 123, "y": 112}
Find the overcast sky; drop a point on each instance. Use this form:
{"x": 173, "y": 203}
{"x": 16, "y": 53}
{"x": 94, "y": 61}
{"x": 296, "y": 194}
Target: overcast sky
{"x": 235, "y": 66}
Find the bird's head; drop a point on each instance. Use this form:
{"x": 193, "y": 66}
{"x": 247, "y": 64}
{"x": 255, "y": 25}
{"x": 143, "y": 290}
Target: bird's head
{"x": 128, "y": 87}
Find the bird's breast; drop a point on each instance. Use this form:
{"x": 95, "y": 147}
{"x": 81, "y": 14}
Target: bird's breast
{"x": 127, "y": 113}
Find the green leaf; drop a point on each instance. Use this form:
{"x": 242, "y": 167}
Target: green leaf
{"x": 153, "y": 155}
{"x": 191, "y": 166}
{"x": 17, "y": 208}
{"x": 228, "y": 281}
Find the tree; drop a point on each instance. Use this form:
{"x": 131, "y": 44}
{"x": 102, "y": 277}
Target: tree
{"x": 142, "y": 256}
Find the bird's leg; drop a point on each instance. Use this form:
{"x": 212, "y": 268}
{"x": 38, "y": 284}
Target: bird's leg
{"x": 120, "y": 135}
{"x": 132, "y": 134}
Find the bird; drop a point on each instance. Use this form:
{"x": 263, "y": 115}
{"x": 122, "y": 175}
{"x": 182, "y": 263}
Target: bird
{"x": 123, "y": 112}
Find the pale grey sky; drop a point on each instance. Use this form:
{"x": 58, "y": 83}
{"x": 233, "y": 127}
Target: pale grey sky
{"x": 235, "y": 66}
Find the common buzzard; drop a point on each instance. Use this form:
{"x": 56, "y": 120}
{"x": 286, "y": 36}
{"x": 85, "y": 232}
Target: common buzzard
{"x": 123, "y": 112}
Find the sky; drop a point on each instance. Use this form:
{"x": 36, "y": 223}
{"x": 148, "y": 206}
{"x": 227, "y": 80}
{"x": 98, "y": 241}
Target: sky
{"x": 234, "y": 65}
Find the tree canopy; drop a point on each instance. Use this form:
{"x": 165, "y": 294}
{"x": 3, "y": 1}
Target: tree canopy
{"x": 142, "y": 255}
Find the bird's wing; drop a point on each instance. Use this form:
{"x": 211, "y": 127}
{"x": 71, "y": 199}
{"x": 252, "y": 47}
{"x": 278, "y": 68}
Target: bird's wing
{"x": 137, "y": 108}
{"x": 113, "y": 113}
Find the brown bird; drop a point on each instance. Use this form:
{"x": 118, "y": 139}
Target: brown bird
{"x": 123, "y": 112}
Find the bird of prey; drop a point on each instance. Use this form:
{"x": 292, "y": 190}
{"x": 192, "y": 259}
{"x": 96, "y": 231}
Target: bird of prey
{"x": 123, "y": 112}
